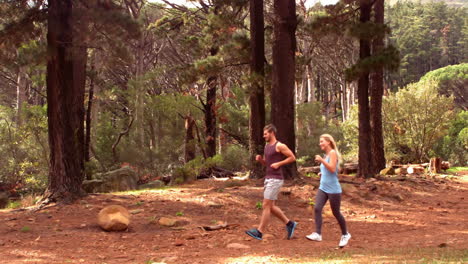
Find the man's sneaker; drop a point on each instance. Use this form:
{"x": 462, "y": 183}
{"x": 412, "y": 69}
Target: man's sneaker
{"x": 344, "y": 240}
{"x": 314, "y": 237}
{"x": 290, "y": 228}
{"x": 254, "y": 233}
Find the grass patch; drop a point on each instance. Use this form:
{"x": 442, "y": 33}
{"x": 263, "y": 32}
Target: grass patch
{"x": 311, "y": 175}
{"x": 259, "y": 205}
{"x": 402, "y": 255}
{"x": 25, "y": 229}
{"x": 138, "y": 192}
{"x": 457, "y": 169}
{"x": 380, "y": 256}
{"x": 14, "y": 204}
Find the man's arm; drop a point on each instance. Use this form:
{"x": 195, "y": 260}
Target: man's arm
{"x": 259, "y": 158}
{"x": 290, "y": 158}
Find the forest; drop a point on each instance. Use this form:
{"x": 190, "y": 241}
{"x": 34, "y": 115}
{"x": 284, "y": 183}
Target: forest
{"x": 167, "y": 88}
{"x": 175, "y": 93}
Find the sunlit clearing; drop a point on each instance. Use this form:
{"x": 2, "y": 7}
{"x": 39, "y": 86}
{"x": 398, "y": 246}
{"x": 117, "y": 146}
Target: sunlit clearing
{"x": 272, "y": 259}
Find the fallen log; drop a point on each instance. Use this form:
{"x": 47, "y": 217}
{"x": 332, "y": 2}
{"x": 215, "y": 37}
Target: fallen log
{"x": 215, "y": 172}
{"x": 415, "y": 170}
{"x": 305, "y": 170}
{"x": 218, "y": 226}
{"x": 349, "y": 168}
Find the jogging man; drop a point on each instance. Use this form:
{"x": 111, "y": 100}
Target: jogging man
{"x": 276, "y": 155}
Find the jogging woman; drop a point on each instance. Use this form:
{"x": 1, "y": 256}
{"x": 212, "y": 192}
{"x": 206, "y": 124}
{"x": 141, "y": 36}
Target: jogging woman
{"x": 329, "y": 189}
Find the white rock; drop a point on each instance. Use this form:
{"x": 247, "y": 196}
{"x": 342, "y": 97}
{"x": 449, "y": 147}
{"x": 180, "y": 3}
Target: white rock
{"x": 237, "y": 246}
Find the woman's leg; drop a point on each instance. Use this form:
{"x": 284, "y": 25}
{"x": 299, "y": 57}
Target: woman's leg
{"x": 335, "y": 203}
{"x": 320, "y": 201}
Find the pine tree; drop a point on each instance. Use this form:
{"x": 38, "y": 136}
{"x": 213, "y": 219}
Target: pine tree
{"x": 365, "y": 158}
{"x": 377, "y": 89}
{"x": 66, "y": 68}
{"x": 256, "y": 94}
{"x": 282, "y": 92}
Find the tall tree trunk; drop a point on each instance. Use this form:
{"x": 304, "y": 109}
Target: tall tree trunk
{"x": 282, "y": 92}
{"x": 343, "y": 101}
{"x": 310, "y": 85}
{"x": 88, "y": 115}
{"x": 256, "y": 95}
{"x": 139, "y": 95}
{"x": 21, "y": 86}
{"x": 210, "y": 112}
{"x": 189, "y": 139}
{"x": 365, "y": 160}
{"x": 66, "y": 67}
{"x": 377, "y": 143}
{"x": 302, "y": 95}
{"x": 134, "y": 8}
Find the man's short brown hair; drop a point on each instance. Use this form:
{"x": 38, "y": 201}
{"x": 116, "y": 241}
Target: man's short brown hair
{"x": 270, "y": 128}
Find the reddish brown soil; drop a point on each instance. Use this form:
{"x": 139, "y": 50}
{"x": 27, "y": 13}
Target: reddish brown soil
{"x": 388, "y": 219}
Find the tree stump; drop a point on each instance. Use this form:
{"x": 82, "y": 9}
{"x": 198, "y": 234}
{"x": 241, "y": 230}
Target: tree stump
{"x": 435, "y": 165}
{"x": 445, "y": 165}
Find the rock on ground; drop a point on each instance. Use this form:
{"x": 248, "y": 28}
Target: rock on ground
{"x": 114, "y": 218}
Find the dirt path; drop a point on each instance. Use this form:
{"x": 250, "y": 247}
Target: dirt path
{"x": 392, "y": 220}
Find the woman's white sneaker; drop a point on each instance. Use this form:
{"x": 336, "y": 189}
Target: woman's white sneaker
{"x": 314, "y": 236}
{"x": 344, "y": 240}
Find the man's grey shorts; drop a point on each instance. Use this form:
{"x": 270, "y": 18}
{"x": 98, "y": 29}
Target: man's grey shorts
{"x": 272, "y": 188}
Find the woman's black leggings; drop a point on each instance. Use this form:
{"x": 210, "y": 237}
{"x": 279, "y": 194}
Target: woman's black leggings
{"x": 335, "y": 201}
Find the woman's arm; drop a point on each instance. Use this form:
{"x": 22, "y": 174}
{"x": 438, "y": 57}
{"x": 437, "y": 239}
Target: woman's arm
{"x": 331, "y": 166}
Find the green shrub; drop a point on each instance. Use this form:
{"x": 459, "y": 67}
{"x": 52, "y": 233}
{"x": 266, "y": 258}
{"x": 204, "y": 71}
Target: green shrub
{"x": 235, "y": 158}
{"x": 454, "y": 146}
{"x": 310, "y": 125}
{"x": 414, "y": 119}
{"x": 349, "y": 147}
{"x": 24, "y": 148}
{"x": 195, "y": 167}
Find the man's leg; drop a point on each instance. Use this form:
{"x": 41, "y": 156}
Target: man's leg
{"x": 267, "y": 206}
{"x": 279, "y": 213}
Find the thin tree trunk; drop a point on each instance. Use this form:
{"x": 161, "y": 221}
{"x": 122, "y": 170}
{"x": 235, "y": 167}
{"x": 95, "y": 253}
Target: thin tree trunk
{"x": 377, "y": 143}
{"x": 21, "y": 86}
{"x": 256, "y": 95}
{"x": 189, "y": 139}
{"x": 343, "y": 101}
{"x": 66, "y": 69}
{"x": 134, "y": 9}
{"x": 310, "y": 84}
{"x": 139, "y": 94}
{"x": 210, "y": 112}
{"x": 365, "y": 159}
{"x": 88, "y": 114}
{"x": 302, "y": 98}
{"x": 282, "y": 92}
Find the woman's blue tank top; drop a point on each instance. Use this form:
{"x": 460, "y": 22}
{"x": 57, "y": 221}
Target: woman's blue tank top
{"x": 329, "y": 181}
